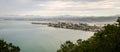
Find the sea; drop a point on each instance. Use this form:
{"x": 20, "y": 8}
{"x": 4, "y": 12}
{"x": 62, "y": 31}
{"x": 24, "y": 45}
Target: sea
{"x": 38, "y": 38}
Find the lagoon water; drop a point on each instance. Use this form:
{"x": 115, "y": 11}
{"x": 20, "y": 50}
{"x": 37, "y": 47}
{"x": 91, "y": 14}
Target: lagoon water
{"x": 38, "y": 38}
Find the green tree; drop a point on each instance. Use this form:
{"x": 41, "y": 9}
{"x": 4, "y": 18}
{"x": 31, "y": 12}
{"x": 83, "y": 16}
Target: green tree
{"x": 67, "y": 46}
{"x": 118, "y": 20}
{"x": 8, "y": 47}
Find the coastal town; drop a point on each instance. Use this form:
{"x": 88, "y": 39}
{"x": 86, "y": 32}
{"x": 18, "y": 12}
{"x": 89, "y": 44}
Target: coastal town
{"x": 69, "y": 25}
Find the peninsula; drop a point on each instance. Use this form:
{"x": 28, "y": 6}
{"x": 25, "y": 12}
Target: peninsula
{"x": 69, "y": 25}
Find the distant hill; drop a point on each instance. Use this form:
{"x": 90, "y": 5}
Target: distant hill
{"x": 64, "y": 18}
{"x": 86, "y": 19}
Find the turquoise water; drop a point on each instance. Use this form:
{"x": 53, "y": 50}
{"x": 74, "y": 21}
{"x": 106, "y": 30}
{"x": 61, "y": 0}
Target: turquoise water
{"x": 38, "y": 38}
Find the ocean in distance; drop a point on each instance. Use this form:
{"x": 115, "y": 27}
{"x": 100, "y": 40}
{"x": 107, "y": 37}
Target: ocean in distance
{"x": 38, "y": 38}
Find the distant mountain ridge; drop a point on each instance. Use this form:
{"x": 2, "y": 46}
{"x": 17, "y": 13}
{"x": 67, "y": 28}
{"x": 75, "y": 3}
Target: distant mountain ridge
{"x": 64, "y": 18}
{"x": 86, "y": 19}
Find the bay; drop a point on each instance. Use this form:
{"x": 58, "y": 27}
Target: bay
{"x": 38, "y": 38}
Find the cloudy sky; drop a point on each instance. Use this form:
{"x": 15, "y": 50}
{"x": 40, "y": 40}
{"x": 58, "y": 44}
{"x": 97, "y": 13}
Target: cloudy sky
{"x": 60, "y": 7}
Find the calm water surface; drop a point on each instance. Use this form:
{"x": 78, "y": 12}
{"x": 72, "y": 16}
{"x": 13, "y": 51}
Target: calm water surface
{"x": 38, "y": 38}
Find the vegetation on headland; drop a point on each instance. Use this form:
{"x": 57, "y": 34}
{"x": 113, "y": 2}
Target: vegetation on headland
{"x": 106, "y": 40}
{"x": 8, "y": 47}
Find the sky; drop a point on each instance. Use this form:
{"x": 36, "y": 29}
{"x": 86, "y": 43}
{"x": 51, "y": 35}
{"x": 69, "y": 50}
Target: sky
{"x": 60, "y": 7}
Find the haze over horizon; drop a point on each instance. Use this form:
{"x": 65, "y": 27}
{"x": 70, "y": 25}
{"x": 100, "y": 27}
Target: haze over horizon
{"x": 59, "y": 7}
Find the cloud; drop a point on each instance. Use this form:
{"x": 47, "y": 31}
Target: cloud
{"x": 58, "y": 7}
{"x": 71, "y": 0}
{"x": 76, "y": 6}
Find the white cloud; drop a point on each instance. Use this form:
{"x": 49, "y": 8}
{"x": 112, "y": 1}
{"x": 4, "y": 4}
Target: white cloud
{"x": 23, "y": 1}
{"x": 73, "y": 6}
{"x": 58, "y": 7}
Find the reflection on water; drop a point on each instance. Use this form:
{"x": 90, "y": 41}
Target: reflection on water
{"x": 38, "y": 38}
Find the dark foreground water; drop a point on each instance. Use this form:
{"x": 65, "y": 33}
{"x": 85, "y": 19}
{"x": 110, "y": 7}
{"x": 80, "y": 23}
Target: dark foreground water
{"x": 38, "y": 38}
